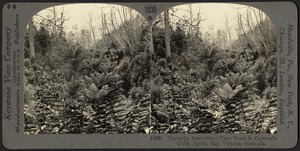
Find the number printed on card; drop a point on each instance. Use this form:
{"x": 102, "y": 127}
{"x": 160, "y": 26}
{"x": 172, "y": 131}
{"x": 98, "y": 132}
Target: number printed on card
{"x": 150, "y": 9}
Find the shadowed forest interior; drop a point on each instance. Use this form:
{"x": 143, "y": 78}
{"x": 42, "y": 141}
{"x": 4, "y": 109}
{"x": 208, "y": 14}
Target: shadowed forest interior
{"x": 114, "y": 73}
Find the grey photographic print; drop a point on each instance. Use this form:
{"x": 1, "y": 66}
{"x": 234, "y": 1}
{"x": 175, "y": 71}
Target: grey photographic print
{"x": 199, "y": 68}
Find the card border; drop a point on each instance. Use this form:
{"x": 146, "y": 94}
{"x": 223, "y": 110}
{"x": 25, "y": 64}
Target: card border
{"x": 43, "y": 1}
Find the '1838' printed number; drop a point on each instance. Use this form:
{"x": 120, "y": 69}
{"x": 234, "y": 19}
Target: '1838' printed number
{"x": 150, "y": 9}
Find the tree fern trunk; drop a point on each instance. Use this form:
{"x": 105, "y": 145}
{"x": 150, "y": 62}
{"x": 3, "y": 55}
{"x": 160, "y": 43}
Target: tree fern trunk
{"x": 150, "y": 112}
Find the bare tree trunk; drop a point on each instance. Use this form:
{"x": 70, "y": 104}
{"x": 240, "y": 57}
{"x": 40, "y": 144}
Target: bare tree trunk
{"x": 103, "y": 30}
{"x": 114, "y": 41}
{"x": 31, "y": 40}
{"x": 151, "y": 46}
{"x": 54, "y": 21}
{"x": 167, "y": 35}
{"x": 228, "y": 31}
{"x": 191, "y": 19}
{"x": 92, "y": 31}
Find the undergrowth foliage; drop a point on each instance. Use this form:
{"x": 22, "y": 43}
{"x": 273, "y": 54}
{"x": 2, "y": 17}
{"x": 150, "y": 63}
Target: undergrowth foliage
{"x": 120, "y": 88}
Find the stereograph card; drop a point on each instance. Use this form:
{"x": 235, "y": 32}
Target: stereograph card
{"x": 150, "y": 75}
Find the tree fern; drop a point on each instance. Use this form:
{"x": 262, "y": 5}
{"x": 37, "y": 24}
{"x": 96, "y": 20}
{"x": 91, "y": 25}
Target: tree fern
{"x": 234, "y": 101}
{"x": 102, "y": 91}
{"x": 265, "y": 119}
{"x": 139, "y": 115}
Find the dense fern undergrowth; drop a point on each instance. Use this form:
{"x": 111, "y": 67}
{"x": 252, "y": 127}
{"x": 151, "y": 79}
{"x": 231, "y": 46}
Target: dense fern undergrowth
{"x": 120, "y": 88}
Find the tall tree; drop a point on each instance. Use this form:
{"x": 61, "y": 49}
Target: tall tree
{"x": 167, "y": 35}
{"x": 31, "y": 40}
{"x": 151, "y": 46}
